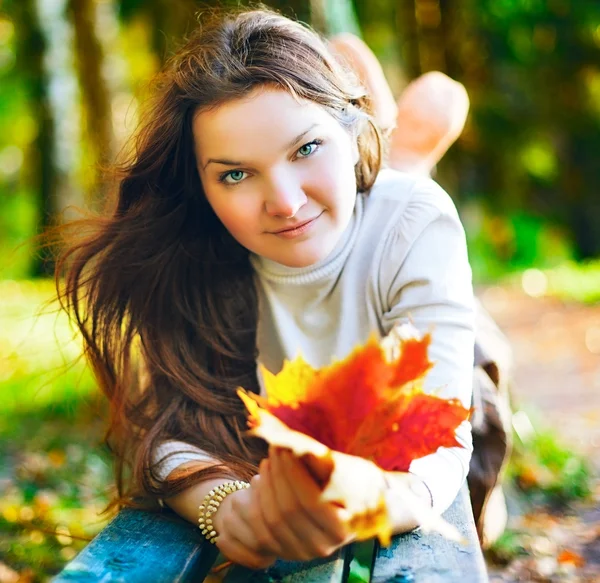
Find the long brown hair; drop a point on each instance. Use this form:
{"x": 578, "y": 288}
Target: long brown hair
{"x": 156, "y": 280}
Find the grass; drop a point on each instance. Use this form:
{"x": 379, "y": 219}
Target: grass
{"x": 547, "y": 473}
{"x": 54, "y": 490}
{"x": 40, "y": 350}
{"x": 548, "y": 478}
{"x": 55, "y": 472}
{"x": 570, "y": 282}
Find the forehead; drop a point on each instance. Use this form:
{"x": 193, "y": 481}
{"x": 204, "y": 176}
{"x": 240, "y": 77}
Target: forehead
{"x": 267, "y": 114}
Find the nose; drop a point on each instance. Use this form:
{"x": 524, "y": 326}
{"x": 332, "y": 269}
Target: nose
{"x": 285, "y": 198}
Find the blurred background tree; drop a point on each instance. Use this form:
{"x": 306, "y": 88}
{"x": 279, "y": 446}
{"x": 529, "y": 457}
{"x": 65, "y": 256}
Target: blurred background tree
{"x": 524, "y": 172}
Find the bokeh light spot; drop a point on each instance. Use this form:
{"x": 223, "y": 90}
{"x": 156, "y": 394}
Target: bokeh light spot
{"x": 534, "y": 283}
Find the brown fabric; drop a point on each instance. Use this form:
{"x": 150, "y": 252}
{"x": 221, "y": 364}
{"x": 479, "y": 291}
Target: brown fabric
{"x": 491, "y": 419}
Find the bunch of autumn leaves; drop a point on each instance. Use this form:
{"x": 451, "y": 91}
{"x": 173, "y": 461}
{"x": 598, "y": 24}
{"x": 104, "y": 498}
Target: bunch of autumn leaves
{"x": 352, "y": 419}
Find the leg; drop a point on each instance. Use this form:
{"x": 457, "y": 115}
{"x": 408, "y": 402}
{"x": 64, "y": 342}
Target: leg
{"x": 424, "y": 122}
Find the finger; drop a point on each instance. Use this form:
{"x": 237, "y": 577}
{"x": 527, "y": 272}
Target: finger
{"x": 237, "y": 552}
{"x": 323, "y": 514}
{"x": 231, "y": 525}
{"x": 252, "y": 515}
{"x": 292, "y": 547}
{"x": 237, "y": 527}
{"x": 298, "y": 516}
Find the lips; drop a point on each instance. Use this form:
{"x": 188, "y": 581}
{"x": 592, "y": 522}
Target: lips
{"x": 296, "y": 225}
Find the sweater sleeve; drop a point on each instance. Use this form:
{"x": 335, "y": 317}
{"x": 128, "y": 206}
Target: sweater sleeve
{"x": 169, "y": 455}
{"x": 425, "y": 279}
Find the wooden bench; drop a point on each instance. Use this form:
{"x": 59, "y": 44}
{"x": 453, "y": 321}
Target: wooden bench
{"x": 145, "y": 547}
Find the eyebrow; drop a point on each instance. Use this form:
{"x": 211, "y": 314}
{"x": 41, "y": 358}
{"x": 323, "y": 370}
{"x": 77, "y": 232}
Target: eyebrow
{"x": 291, "y": 144}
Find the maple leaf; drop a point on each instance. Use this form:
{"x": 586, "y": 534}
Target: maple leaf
{"x": 570, "y": 557}
{"x": 354, "y": 418}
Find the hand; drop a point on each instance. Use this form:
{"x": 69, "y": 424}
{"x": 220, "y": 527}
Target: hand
{"x": 279, "y": 515}
{"x": 237, "y": 521}
{"x": 302, "y": 526}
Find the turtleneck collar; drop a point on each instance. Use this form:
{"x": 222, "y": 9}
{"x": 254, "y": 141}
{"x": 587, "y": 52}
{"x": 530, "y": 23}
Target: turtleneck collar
{"x": 330, "y": 265}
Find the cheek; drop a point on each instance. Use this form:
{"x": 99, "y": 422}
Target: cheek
{"x": 238, "y": 214}
{"x": 334, "y": 178}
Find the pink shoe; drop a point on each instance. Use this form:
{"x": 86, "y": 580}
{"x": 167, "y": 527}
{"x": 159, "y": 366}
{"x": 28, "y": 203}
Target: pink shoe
{"x": 432, "y": 112}
{"x": 428, "y": 117}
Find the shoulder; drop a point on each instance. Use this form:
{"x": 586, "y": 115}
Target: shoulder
{"x": 421, "y": 244}
{"x": 401, "y": 206}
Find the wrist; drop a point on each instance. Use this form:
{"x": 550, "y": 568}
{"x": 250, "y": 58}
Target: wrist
{"x": 400, "y": 508}
{"x": 224, "y": 509}
{"x": 419, "y": 487}
{"x": 207, "y": 511}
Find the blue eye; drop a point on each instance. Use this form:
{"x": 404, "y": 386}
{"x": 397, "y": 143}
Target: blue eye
{"x": 308, "y": 149}
{"x": 235, "y": 175}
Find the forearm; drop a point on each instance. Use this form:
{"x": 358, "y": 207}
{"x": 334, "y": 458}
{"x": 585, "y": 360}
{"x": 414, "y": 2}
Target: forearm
{"x": 445, "y": 471}
{"x": 186, "y": 503}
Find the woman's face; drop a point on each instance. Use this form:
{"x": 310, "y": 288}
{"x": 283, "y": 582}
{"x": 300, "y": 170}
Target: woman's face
{"x": 279, "y": 174}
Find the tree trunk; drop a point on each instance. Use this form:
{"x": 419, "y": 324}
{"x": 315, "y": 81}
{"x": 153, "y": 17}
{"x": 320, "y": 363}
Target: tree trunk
{"x": 331, "y": 17}
{"x": 408, "y": 38}
{"x": 296, "y": 9}
{"x": 39, "y": 166}
{"x": 89, "y": 57}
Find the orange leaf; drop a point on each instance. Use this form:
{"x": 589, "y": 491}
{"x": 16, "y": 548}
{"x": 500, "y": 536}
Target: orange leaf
{"x": 352, "y": 482}
{"x": 366, "y": 405}
{"x": 357, "y": 417}
{"x": 567, "y": 556}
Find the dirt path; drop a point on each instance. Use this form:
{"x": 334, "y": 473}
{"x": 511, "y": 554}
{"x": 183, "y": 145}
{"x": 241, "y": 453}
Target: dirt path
{"x": 557, "y": 356}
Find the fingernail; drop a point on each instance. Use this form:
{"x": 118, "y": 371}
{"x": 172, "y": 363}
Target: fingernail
{"x": 343, "y": 514}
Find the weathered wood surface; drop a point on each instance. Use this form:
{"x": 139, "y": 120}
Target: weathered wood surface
{"x": 431, "y": 558}
{"x": 330, "y": 570}
{"x": 144, "y": 547}
{"x": 140, "y": 546}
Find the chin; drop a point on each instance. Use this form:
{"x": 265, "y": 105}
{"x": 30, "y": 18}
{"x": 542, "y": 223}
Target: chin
{"x": 299, "y": 262}
{"x": 307, "y": 257}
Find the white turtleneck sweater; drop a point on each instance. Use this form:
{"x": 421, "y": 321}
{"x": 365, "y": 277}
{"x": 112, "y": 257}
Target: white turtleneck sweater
{"x": 402, "y": 258}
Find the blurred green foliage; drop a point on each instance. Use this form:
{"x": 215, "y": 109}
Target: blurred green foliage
{"x": 579, "y": 282}
{"x": 508, "y": 546}
{"x": 55, "y": 474}
{"x": 500, "y": 245}
{"x": 72, "y": 74}
{"x": 548, "y": 471}
{"x": 550, "y": 481}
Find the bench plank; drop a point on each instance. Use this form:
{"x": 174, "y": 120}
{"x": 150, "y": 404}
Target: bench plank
{"x": 329, "y": 570}
{"x": 140, "y": 547}
{"x": 334, "y": 569}
{"x": 148, "y": 547}
{"x": 431, "y": 557}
